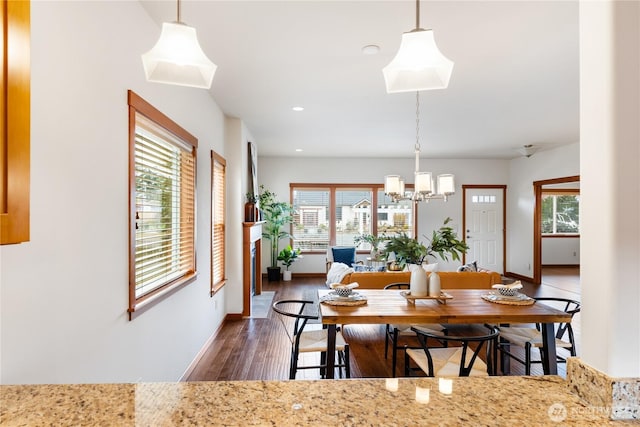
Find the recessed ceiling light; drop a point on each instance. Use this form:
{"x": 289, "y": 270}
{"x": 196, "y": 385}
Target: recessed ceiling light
{"x": 371, "y": 49}
{"x": 298, "y": 150}
{"x": 298, "y": 108}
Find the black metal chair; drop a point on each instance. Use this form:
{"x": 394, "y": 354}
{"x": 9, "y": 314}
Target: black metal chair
{"x": 393, "y": 332}
{"x": 530, "y": 337}
{"x": 461, "y": 359}
{"x": 311, "y": 340}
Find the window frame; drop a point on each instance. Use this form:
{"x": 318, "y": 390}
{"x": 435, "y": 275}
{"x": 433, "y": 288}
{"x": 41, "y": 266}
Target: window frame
{"x": 221, "y": 225}
{"x": 137, "y": 105}
{"x": 332, "y": 188}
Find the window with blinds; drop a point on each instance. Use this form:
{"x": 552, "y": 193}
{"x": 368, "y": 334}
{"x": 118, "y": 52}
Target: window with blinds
{"x": 218, "y": 201}
{"x": 162, "y": 201}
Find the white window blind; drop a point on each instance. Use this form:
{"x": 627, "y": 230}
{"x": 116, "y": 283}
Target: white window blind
{"x": 164, "y": 208}
{"x": 218, "y": 201}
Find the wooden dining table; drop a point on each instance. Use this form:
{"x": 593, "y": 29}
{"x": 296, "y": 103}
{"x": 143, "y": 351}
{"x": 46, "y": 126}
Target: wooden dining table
{"x": 465, "y": 306}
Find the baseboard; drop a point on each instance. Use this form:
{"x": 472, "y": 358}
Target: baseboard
{"x": 309, "y": 274}
{"x": 561, "y": 265}
{"x": 233, "y": 316}
{"x": 518, "y": 276}
{"x": 201, "y": 353}
{"x": 264, "y": 276}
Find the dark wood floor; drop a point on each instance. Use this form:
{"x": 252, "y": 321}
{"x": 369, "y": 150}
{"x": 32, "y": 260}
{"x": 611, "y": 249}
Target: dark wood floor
{"x": 258, "y": 348}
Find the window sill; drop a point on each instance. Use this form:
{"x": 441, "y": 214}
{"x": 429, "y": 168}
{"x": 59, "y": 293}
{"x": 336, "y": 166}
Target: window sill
{"x": 147, "y": 301}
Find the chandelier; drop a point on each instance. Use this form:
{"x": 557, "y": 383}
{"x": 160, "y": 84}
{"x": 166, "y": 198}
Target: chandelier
{"x": 419, "y": 64}
{"x": 177, "y": 57}
{"x": 423, "y": 187}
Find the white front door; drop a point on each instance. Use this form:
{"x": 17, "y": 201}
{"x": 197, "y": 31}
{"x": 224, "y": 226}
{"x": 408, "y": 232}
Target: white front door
{"x": 484, "y": 227}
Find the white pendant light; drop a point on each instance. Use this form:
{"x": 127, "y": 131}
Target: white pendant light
{"x": 177, "y": 57}
{"x": 419, "y": 64}
{"x": 423, "y": 187}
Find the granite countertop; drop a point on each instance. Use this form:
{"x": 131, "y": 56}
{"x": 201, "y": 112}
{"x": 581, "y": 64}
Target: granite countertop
{"x": 512, "y": 401}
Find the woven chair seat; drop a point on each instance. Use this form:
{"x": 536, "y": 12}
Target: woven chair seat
{"x": 521, "y": 336}
{"x": 405, "y": 330}
{"x": 446, "y": 361}
{"x": 312, "y": 341}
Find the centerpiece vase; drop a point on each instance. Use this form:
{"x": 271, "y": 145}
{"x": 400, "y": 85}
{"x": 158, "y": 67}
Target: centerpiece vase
{"x": 434, "y": 284}
{"x": 418, "y": 281}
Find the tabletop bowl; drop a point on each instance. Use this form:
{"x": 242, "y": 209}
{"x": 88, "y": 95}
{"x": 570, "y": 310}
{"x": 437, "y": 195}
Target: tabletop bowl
{"x": 508, "y": 292}
{"x": 343, "y": 292}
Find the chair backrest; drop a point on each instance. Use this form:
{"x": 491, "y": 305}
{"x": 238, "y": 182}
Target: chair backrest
{"x": 398, "y": 286}
{"x": 568, "y": 306}
{"x": 295, "y": 309}
{"x": 343, "y": 254}
{"x": 466, "y": 363}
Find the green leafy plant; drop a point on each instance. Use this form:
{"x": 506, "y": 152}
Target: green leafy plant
{"x": 288, "y": 256}
{"x": 251, "y": 198}
{"x": 443, "y": 243}
{"x": 275, "y": 215}
{"x": 374, "y": 241}
{"x": 406, "y": 249}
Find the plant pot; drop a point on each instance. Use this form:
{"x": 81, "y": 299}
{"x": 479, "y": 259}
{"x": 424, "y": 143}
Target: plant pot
{"x": 273, "y": 274}
{"x": 286, "y": 276}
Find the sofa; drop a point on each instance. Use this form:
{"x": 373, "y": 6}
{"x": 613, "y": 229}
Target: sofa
{"x": 448, "y": 279}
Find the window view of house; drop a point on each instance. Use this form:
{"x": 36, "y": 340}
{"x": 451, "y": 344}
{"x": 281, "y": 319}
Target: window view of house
{"x": 560, "y": 214}
{"x": 313, "y": 229}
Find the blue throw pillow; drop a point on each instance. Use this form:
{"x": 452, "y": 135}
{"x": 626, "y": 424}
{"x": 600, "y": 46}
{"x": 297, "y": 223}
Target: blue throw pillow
{"x": 344, "y": 255}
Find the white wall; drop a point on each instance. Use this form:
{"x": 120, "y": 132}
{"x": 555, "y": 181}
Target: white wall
{"x": 610, "y": 186}
{"x": 64, "y": 294}
{"x": 557, "y": 163}
{"x": 561, "y": 251}
{"x": 237, "y": 137}
{"x": 277, "y": 172}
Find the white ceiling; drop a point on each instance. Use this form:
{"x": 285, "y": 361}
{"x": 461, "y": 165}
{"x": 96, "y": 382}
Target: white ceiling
{"x": 515, "y": 79}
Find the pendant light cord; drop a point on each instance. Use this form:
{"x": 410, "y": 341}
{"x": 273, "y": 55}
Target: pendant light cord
{"x": 417, "y": 146}
{"x": 178, "y": 11}
{"x": 417, "y": 14}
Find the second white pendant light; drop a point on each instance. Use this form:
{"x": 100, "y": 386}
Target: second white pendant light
{"x": 419, "y": 64}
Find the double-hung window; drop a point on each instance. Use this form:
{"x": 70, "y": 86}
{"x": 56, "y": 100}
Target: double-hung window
{"x": 162, "y": 174}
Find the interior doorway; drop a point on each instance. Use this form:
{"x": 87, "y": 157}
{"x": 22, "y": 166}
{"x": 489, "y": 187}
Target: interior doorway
{"x": 539, "y": 187}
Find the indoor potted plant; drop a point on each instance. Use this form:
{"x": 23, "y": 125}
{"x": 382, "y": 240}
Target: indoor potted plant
{"x": 373, "y": 241}
{"x": 288, "y": 256}
{"x": 275, "y": 215}
{"x": 443, "y": 243}
{"x": 409, "y": 251}
{"x": 250, "y": 208}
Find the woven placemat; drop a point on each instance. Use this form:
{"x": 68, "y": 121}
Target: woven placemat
{"x": 498, "y": 299}
{"x": 333, "y": 300}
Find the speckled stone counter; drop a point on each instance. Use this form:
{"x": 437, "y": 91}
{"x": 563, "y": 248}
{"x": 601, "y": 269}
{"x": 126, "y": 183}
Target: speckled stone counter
{"x": 495, "y": 401}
